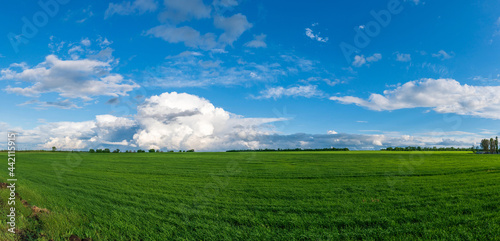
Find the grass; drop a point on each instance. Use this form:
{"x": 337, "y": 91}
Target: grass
{"x": 259, "y": 196}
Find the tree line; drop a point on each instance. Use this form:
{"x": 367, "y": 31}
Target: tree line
{"x": 296, "y": 149}
{"x": 107, "y": 150}
{"x": 490, "y": 145}
{"x": 418, "y": 148}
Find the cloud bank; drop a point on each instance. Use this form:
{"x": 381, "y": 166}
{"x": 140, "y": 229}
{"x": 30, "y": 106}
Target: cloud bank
{"x": 173, "y": 121}
{"x": 442, "y": 95}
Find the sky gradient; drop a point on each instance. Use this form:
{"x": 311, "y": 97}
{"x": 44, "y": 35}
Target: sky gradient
{"x": 228, "y": 74}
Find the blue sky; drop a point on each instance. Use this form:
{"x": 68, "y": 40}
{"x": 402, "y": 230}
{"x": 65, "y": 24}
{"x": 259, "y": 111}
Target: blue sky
{"x": 225, "y": 74}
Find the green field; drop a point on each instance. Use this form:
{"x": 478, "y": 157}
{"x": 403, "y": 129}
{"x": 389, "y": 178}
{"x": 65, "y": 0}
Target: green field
{"x": 257, "y": 196}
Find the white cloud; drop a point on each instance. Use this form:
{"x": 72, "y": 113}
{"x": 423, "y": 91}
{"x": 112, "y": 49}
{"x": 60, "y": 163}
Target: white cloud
{"x": 85, "y": 42}
{"x": 311, "y": 35}
{"x": 443, "y": 55}
{"x": 442, "y": 95}
{"x": 233, "y": 27}
{"x": 374, "y": 58}
{"x": 332, "y": 132}
{"x": 360, "y": 60}
{"x": 257, "y": 42}
{"x": 184, "y": 10}
{"x": 403, "y": 57}
{"x": 130, "y": 8}
{"x": 83, "y": 78}
{"x": 307, "y": 91}
{"x": 183, "y": 121}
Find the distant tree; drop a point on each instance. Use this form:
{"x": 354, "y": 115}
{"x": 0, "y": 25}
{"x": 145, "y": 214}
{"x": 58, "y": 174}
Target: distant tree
{"x": 152, "y": 150}
{"x": 492, "y": 146}
{"x": 116, "y": 151}
{"x": 106, "y": 150}
{"x": 91, "y": 151}
{"x": 473, "y": 149}
{"x": 485, "y": 145}
{"x": 54, "y": 148}
{"x": 140, "y": 151}
{"x": 191, "y": 150}
{"x": 496, "y": 143}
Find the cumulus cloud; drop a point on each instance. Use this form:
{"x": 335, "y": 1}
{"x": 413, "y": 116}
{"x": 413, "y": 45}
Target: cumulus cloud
{"x": 360, "y": 60}
{"x": 130, "y": 8}
{"x": 443, "y": 55}
{"x": 183, "y": 121}
{"x": 442, "y": 95}
{"x": 83, "y": 78}
{"x": 257, "y": 42}
{"x": 167, "y": 121}
{"x": 307, "y": 91}
{"x": 311, "y": 35}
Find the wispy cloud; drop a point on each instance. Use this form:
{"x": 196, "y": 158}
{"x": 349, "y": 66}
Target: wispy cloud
{"x": 443, "y": 55}
{"x": 62, "y": 104}
{"x": 403, "y": 57}
{"x": 360, "y": 60}
{"x": 177, "y": 11}
{"x": 233, "y": 27}
{"x": 307, "y": 91}
{"x": 136, "y": 7}
{"x": 310, "y": 33}
{"x": 257, "y": 42}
